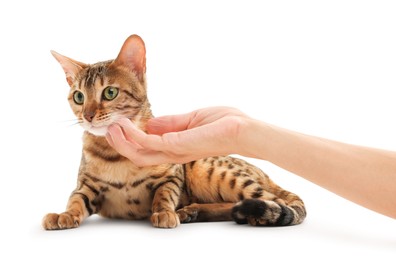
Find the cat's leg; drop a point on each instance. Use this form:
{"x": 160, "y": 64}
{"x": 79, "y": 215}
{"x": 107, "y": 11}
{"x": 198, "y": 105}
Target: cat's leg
{"x": 165, "y": 201}
{"x": 82, "y": 203}
{"x": 206, "y": 212}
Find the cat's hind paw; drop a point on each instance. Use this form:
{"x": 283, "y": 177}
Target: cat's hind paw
{"x": 262, "y": 213}
{"x": 53, "y": 221}
{"x": 165, "y": 219}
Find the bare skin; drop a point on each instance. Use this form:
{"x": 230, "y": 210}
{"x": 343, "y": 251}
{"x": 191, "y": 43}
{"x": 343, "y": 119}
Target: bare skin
{"x": 364, "y": 175}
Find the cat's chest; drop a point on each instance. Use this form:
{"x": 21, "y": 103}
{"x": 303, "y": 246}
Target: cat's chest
{"x": 126, "y": 191}
{"x": 126, "y": 202}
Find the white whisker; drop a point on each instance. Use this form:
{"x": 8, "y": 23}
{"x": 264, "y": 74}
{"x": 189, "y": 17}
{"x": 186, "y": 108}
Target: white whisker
{"x": 76, "y": 123}
{"x": 68, "y": 120}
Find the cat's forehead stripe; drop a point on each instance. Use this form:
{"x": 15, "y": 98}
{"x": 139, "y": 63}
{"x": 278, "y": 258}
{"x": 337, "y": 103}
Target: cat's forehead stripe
{"x": 92, "y": 73}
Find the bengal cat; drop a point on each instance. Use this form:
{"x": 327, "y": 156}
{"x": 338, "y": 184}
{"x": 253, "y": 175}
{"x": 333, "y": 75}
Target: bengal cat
{"x": 211, "y": 189}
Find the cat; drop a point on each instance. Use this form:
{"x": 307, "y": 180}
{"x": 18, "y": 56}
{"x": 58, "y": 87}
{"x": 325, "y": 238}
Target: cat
{"x": 218, "y": 188}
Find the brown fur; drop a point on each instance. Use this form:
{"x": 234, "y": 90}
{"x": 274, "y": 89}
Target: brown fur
{"x": 210, "y": 189}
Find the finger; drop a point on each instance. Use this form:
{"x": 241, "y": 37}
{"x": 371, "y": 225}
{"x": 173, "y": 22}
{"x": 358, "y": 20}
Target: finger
{"x": 145, "y": 150}
{"x": 140, "y": 138}
{"x": 120, "y": 143}
{"x": 149, "y": 158}
{"x": 109, "y": 139}
{"x": 137, "y": 154}
{"x": 166, "y": 124}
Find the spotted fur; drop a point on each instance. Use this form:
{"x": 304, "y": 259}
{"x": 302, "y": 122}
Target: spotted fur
{"x": 211, "y": 189}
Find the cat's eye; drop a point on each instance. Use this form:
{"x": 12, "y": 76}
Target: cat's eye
{"x": 78, "y": 97}
{"x": 110, "y": 93}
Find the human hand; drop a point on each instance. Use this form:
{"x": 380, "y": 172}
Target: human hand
{"x": 180, "y": 138}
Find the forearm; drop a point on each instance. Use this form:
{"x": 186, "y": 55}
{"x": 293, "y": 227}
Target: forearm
{"x": 364, "y": 175}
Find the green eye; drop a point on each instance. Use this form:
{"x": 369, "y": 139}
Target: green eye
{"x": 110, "y": 93}
{"x": 78, "y": 97}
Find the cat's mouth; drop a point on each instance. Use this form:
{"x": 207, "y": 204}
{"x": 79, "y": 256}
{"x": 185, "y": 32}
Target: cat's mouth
{"x": 98, "y": 130}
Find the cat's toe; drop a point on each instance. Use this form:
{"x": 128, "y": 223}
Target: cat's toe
{"x": 252, "y": 211}
{"x": 53, "y": 221}
{"x": 50, "y": 221}
{"x": 188, "y": 214}
{"x": 239, "y": 215}
{"x": 165, "y": 219}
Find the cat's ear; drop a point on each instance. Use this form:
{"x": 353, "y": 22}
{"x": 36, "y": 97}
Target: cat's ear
{"x": 70, "y": 66}
{"x": 133, "y": 55}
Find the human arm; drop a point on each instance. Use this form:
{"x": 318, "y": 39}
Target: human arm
{"x": 363, "y": 175}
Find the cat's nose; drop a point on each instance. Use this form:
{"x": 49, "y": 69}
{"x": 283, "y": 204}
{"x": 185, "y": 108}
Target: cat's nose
{"x": 89, "y": 115}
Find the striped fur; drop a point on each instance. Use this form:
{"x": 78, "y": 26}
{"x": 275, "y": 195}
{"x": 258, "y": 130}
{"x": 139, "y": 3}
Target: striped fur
{"x": 211, "y": 189}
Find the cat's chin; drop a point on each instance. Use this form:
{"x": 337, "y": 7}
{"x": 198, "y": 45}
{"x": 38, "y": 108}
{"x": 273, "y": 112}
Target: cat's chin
{"x": 98, "y": 131}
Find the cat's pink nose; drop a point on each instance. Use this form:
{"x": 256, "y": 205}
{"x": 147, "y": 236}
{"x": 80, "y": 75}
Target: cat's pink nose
{"x": 89, "y": 115}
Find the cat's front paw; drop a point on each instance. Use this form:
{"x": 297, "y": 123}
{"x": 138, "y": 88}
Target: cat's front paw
{"x": 165, "y": 219}
{"x": 53, "y": 221}
{"x": 188, "y": 214}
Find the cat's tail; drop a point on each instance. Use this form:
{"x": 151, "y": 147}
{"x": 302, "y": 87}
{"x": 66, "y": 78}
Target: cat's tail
{"x": 284, "y": 210}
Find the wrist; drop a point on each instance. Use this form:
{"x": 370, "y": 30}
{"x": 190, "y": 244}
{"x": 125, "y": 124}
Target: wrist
{"x": 253, "y": 139}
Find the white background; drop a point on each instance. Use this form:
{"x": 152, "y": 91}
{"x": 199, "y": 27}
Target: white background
{"x": 326, "y": 68}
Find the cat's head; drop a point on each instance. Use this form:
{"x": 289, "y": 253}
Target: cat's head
{"x": 103, "y": 92}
